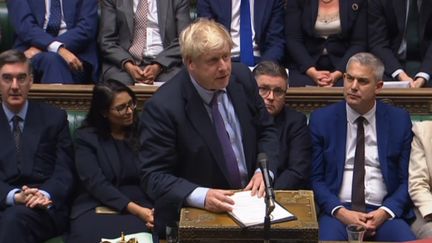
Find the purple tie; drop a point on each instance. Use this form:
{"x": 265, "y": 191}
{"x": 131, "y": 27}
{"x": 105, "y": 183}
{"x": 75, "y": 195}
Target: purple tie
{"x": 228, "y": 152}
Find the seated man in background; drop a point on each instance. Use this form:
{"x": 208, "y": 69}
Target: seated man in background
{"x": 139, "y": 39}
{"x": 59, "y": 36}
{"x": 257, "y": 29}
{"x": 400, "y": 35}
{"x": 420, "y": 178}
{"x": 360, "y": 159}
{"x": 295, "y": 149}
{"x": 202, "y": 131}
{"x": 36, "y": 165}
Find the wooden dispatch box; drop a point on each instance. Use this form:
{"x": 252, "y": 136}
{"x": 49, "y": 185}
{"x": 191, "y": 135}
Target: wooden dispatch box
{"x": 197, "y": 225}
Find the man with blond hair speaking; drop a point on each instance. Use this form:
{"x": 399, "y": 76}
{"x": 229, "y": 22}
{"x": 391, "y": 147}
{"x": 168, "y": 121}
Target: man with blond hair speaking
{"x": 203, "y": 130}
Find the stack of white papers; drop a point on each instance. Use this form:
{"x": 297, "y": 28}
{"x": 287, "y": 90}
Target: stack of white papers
{"x": 139, "y": 237}
{"x": 396, "y": 84}
{"x": 250, "y": 210}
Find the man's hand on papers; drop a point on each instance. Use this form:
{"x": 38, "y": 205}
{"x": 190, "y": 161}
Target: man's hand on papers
{"x": 218, "y": 201}
{"x": 256, "y": 185}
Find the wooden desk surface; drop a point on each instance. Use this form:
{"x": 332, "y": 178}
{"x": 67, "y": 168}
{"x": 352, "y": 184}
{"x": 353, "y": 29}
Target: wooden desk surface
{"x": 200, "y": 225}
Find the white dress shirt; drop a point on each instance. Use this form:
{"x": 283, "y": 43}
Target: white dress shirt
{"x": 154, "y": 44}
{"x": 235, "y": 28}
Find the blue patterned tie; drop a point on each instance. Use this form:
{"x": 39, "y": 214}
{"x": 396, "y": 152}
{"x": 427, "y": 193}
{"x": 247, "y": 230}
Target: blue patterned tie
{"x": 246, "y": 47}
{"x": 54, "y": 21}
{"x": 228, "y": 152}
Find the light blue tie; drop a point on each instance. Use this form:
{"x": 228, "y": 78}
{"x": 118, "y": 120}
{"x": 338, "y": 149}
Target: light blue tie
{"x": 246, "y": 47}
{"x": 54, "y": 21}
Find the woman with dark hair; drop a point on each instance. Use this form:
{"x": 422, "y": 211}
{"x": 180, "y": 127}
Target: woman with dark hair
{"x": 321, "y": 35}
{"x": 109, "y": 200}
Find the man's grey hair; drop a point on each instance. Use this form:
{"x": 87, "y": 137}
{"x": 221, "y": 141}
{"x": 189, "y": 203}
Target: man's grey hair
{"x": 368, "y": 60}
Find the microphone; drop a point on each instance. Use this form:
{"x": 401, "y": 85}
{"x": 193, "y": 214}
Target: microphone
{"x": 263, "y": 165}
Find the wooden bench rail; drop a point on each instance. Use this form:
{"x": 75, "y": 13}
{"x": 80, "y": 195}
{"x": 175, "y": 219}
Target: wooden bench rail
{"x": 77, "y": 97}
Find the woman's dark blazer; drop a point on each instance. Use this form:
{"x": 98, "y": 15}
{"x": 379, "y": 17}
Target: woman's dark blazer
{"x": 98, "y": 166}
{"x": 305, "y": 47}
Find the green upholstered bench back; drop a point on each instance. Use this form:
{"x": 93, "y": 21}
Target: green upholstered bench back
{"x": 7, "y": 32}
{"x": 75, "y": 119}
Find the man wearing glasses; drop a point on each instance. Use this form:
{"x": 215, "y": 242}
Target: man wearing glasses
{"x": 36, "y": 163}
{"x": 294, "y": 140}
{"x": 361, "y": 150}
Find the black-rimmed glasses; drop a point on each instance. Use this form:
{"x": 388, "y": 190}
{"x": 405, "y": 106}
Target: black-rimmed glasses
{"x": 123, "y": 108}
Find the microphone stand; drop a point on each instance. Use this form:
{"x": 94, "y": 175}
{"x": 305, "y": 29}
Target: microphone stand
{"x": 267, "y": 219}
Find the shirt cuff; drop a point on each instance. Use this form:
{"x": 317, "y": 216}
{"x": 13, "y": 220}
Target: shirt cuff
{"x": 54, "y": 46}
{"x": 396, "y": 73}
{"x": 46, "y": 194}
{"x": 197, "y": 197}
{"x": 335, "y": 209}
{"x": 10, "y": 197}
{"x": 423, "y": 75}
{"x": 270, "y": 172}
{"x": 389, "y": 212}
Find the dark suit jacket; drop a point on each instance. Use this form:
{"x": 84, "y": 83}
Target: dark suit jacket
{"x": 99, "y": 167}
{"x": 179, "y": 150}
{"x": 117, "y": 29}
{"x": 268, "y": 23}
{"x": 46, "y": 158}
{"x": 305, "y": 47}
{"x": 328, "y": 128}
{"x": 295, "y": 151}
{"x": 81, "y": 18}
{"x": 386, "y": 32}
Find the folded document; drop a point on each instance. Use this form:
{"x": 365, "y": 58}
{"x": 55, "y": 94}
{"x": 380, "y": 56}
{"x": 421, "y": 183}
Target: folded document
{"x": 250, "y": 210}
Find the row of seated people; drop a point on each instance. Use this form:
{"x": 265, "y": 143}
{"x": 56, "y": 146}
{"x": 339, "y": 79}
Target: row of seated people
{"x": 196, "y": 140}
{"x": 138, "y": 40}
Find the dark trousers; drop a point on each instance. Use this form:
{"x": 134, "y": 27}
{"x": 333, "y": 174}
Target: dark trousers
{"x": 19, "y": 224}
{"x": 395, "y": 230}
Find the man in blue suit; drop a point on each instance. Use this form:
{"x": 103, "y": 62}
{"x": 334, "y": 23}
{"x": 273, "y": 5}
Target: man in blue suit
{"x": 267, "y": 27}
{"x": 360, "y": 159}
{"x": 202, "y": 131}
{"x": 59, "y": 36}
{"x": 36, "y": 178}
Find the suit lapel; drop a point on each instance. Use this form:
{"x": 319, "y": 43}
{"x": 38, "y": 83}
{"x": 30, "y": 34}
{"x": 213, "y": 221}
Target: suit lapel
{"x": 313, "y": 14}
{"x": 30, "y": 137}
{"x": 343, "y": 12}
{"x": 69, "y": 11}
{"x": 127, "y": 8}
{"x": 341, "y": 134}
{"x": 382, "y": 130}
{"x": 260, "y": 10}
{"x": 226, "y": 10}
{"x": 425, "y": 15}
{"x": 200, "y": 120}
{"x": 399, "y": 7}
{"x": 6, "y": 143}
{"x": 162, "y": 9}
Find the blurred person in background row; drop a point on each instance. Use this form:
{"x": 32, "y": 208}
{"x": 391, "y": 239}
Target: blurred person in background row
{"x": 321, "y": 36}
{"x": 400, "y": 35}
{"x": 59, "y": 36}
{"x": 139, "y": 39}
